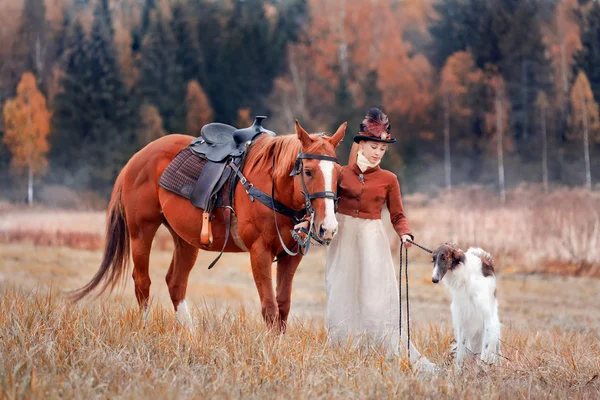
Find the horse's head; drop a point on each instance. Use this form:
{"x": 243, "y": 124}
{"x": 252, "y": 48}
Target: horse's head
{"x": 318, "y": 178}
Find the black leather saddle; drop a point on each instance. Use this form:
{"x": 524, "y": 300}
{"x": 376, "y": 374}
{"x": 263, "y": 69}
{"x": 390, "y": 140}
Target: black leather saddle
{"x": 218, "y": 142}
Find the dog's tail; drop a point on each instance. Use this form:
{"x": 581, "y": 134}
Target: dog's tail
{"x": 487, "y": 262}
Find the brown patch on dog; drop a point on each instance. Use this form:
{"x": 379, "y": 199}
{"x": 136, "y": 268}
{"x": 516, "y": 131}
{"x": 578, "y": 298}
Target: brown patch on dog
{"x": 487, "y": 265}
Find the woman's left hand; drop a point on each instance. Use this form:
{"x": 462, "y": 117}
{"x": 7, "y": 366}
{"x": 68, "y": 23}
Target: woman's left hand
{"x": 404, "y": 239}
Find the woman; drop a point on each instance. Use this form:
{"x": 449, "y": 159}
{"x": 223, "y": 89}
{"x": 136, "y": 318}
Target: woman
{"x": 362, "y": 290}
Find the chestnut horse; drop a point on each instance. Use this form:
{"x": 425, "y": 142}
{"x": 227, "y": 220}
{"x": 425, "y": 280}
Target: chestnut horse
{"x": 138, "y": 206}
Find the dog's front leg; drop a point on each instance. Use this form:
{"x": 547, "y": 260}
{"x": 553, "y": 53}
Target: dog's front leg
{"x": 461, "y": 345}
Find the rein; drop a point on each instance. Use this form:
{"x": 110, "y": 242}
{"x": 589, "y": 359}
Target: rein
{"x": 400, "y": 291}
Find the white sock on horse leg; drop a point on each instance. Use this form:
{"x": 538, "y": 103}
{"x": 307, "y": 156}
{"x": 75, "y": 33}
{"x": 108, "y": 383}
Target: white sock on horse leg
{"x": 183, "y": 315}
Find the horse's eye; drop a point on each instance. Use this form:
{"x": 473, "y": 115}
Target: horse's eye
{"x": 308, "y": 173}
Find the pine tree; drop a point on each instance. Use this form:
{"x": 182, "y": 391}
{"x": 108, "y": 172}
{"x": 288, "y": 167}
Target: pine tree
{"x": 161, "y": 77}
{"x": 140, "y": 32}
{"x": 523, "y": 64}
{"x": 71, "y": 122}
{"x": 30, "y": 49}
{"x": 588, "y": 59}
{"x": 93, "y": 117}
{"x": 187, "y": 51}
{"x": 250, "y": 61}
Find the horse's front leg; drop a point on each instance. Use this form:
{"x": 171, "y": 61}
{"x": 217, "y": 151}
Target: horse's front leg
{"x": 286, "y": 268}
{"x": 261, "y": 260}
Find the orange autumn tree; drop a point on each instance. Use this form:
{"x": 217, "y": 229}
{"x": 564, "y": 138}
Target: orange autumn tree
{"x": 346, "y": 44}
{"x": 27, "y": 122}
{"x": 584, "y": 119}
{"x": 562, "y": 37}
{"x": 199, "y": 111}
{"x": 151, "y": 125}
{"x": 497, "y": 121}
{"x": 457, "y": 76}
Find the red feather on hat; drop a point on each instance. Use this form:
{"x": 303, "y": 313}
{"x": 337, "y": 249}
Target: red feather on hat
{"x": 376, "y": 123}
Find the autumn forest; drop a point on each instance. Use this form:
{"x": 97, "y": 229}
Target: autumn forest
{"x": 489, "y": 92}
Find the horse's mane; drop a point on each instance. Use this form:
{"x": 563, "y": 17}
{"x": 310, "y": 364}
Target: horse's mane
{"x": 284, "y": 148}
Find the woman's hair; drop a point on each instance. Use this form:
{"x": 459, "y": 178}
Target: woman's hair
{"x": 353, "y": 154}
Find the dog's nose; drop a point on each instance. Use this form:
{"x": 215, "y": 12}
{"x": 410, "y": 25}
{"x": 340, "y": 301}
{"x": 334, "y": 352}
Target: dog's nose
{"x": 435, "y": 280}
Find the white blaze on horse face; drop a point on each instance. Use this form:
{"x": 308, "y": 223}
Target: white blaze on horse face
{"x": 183, "y": 315}
{"x": 330, "y": 224}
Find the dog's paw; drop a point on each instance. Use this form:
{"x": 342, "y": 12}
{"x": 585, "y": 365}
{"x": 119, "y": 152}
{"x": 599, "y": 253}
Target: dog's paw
{"x": 425, "y": 366}
{"x": 490, "y": 358}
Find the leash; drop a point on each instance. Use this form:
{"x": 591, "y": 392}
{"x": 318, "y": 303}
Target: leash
{"x": 400, "y": 290}
{"x": 407, "y": 300}
{"x": 419, "y": 246}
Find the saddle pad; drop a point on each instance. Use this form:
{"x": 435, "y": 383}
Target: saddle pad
{"x": 182, "y": 173}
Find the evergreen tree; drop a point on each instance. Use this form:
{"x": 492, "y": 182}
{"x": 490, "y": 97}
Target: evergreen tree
{"x": 71, "y": 124}
{"x": 94, "y": 117}
{"x": 162, "y": 82}
{"x": 588, "y": 58}
{"x": 464, "y": 25}
{"x": 523, "y": 63}
{"x": 139, "y": 33}
{"x": 30, "y": 49}
{"x": 187, "y": 51}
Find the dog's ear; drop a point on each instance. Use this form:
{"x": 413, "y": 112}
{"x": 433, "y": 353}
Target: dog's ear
{"x": 458, "y": 256}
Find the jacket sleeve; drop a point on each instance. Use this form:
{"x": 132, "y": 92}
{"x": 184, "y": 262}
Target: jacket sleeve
{"x": 394, "y": 203}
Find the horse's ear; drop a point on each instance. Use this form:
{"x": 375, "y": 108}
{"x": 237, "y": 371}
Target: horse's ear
{"x": 303, "y": 135}
{"x": 338, "y": 135}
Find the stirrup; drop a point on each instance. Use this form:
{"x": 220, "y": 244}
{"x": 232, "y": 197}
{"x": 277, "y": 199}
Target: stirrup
{"x": 206, "y": 237}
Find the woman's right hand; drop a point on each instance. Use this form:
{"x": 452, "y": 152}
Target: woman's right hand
{"x": 405, "y": 240}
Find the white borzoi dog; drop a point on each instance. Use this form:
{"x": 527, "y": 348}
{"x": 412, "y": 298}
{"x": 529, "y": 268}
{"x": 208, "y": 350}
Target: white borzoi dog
{"x": 471, "y": 280}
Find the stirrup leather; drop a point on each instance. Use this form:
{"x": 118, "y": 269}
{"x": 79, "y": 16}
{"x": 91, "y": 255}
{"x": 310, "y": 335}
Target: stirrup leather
{"x": 206, "y": 237}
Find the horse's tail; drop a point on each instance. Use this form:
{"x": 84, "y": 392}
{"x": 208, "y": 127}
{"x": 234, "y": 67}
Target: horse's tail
{"x": 116, "y": 248}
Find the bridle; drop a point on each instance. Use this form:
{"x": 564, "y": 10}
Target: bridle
{"x": 309, "y": 211}
{"x": 297, "y": 216}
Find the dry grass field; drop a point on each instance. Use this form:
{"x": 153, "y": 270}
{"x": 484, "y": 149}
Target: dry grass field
{"x": 546, "y": 248}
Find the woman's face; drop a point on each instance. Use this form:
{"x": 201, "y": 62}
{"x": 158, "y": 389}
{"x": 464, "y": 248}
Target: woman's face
{"x": 373, "y": 151}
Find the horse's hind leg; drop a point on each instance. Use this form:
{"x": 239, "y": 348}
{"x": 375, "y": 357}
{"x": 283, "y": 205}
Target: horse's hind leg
{"x": 141, "y": 234}
{"x": 184, "y": 257}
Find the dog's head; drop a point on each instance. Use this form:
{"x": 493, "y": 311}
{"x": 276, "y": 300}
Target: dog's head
{"x": 446, "y": 258}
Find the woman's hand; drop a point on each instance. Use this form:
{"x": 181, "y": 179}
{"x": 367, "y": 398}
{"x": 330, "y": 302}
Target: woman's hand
{"x": 405, "y": 239}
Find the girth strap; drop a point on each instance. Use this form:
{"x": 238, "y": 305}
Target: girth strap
{"x": 227, "y": 221}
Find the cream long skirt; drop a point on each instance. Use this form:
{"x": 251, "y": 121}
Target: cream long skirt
{"x": 362, "y": 287}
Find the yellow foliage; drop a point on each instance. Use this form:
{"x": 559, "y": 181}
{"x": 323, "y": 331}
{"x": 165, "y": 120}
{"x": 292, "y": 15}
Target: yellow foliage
{"x": 151, "y": 126}
{"x": 456, "y": 77}
{"x": 199, "y": 111}
{"x": 27, "y": 126}
{"x": 585, "y": 109}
